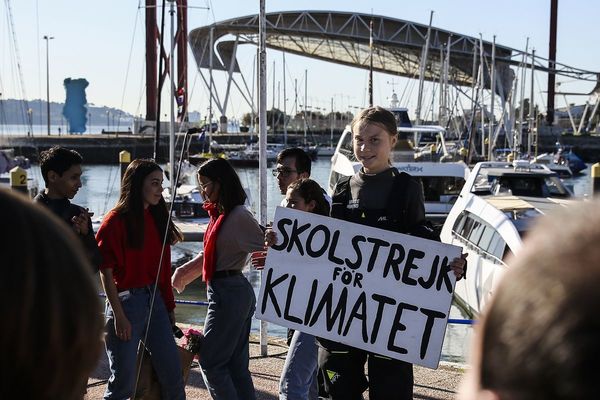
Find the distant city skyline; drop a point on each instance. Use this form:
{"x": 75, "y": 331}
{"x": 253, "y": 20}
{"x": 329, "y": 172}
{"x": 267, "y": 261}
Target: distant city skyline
{"x": 93, "y": 41}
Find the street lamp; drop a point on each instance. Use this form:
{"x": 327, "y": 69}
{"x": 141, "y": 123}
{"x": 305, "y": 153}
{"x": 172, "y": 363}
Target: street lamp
{"x": 48, "y": 38}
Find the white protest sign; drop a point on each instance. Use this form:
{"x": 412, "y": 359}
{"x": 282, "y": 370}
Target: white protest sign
{"x": 377, "y": 290}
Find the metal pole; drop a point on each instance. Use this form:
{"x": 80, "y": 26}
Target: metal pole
{"x": 371, "y": 63}
{"x": 481, "y": 88}
{"x": 284, "y": 106}
{"x": 273, "y": 103}
{"x": 493, "y": 89}
{"x": 48, "y": 38}
{"x": 552, "y": 62}
{"x": 305, "y": 101}
{"x": 210, "y": 89}
{"x": 262, "y": 143}
{"x": 532, "y": 128}
{"x": 422, "y": 72}
{"x": 522, "y": 103}
{"x": 172, "y": 102}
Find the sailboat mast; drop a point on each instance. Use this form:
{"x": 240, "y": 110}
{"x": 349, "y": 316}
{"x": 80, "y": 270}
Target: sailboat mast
{"x": 371, "y": 63}
{"x": 422, "y": 72}
{"x": 284, "y": 106}
{"x": 262, "y": 140}
{"x": 532, "y": 128}
{"x": 172, "y": 100}
{"x": 493, "y": 97}
{"x": 552, "y": 62}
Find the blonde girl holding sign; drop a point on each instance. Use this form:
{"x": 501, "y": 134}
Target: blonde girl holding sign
{"x": 363, "y": 199}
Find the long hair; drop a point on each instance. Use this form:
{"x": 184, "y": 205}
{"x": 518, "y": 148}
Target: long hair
{"x": 53, "y": 328}
{"x": 131, "y": 205}
{"x": 231, "y": 192}
{"x": 310, "y": 190}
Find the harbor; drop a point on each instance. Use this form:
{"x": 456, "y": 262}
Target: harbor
{"x": 489, "y": 123}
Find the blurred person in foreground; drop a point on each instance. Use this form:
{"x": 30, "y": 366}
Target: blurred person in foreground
{"x": 539, "y": 338}
{"x": 52, "y": 332}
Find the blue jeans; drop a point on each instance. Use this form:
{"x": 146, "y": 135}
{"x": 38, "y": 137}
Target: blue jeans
{"x": 224, "y": 357}
{"x": 299, "y": 376}
{"x": 122, "y": 355}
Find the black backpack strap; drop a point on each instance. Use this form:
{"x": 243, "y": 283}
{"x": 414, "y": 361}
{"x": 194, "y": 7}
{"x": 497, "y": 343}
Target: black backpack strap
{"x": 340, "y": 198}
{"x": 398, "y": 200}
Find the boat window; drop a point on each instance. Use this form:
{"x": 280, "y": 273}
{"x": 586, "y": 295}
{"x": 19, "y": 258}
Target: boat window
{"x": 460, "y": 222}
{"x": 441, "y": 188}
{"x": 486, "y": 237}
{"x": 476, "y": 232}
{"x": 466, "y": 229}
{"x": 346, "y": 146}
{"x": 497, "y": 249}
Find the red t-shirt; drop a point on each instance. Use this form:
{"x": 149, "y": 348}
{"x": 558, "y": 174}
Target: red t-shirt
{"x": 134, "y": 268}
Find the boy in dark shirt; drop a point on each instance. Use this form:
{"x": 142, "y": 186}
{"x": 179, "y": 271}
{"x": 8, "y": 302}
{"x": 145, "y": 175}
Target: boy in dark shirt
{"x": 61, "y": 170}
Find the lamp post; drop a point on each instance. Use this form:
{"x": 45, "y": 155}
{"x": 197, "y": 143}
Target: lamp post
{"x": 48, "y": 38}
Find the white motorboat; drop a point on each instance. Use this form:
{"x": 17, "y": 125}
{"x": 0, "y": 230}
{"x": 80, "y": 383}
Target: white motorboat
{"x": 561, "y": 167}
{"x": 490, "y": 217}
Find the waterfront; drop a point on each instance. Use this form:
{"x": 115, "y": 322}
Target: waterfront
{"x": 101, "y": 189}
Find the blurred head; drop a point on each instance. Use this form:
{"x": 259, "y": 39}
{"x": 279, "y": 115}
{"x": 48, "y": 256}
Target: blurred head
{"x": 53, "y": 333}
{"x": 374, "y": 135}
{"x": 141, "y": 188}
{"x": 220, "y": 184}
{"x": 539, "y": 337}
{"x": 61, "y": 170}
{"x": 292, "y": 164}
{"x": 306, "y": 195}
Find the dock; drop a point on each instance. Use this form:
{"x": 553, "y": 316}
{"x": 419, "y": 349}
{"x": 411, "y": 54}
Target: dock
{"x": 429, "y": 384}
{"x": 193, "y": 230}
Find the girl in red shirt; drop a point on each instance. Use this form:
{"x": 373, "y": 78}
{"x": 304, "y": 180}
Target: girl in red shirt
{"x": 134, "y": 240}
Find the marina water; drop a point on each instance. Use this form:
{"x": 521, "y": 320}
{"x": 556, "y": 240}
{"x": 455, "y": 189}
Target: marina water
{"x": 100, "y": 192}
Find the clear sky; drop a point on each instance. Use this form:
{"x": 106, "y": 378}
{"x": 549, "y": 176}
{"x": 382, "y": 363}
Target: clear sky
{"x": 103, "y": 41}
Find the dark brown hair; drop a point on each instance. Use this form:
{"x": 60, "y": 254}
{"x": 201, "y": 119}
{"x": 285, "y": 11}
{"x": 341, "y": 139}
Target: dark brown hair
{"x": 52, "y": 335}
{"x": 131, "y": 205}
{"x": 231, "y": 192}
{"x": 310, "y": 190}
{"x": 540, "y": 334}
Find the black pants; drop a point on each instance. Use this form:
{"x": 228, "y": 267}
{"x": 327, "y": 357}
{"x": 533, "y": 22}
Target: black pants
{"x": 342, "y": 374}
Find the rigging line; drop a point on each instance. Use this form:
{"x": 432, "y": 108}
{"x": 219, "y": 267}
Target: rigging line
{"x": 540, "y": 93}
{"x": 137, "y": 14}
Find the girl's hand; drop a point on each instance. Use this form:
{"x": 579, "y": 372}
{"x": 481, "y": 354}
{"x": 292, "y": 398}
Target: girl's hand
{"x": 270, "y": 237}
{"x": 459, "y": 266}
{"x": 122, "y": 328}
{"x": 178, "y": 281}
{"x": 257, "y": 259}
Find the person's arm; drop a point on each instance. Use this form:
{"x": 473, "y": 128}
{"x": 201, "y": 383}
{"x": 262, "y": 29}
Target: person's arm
{"x": 122, "y": 324}
{"x": 187, "y": 272}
